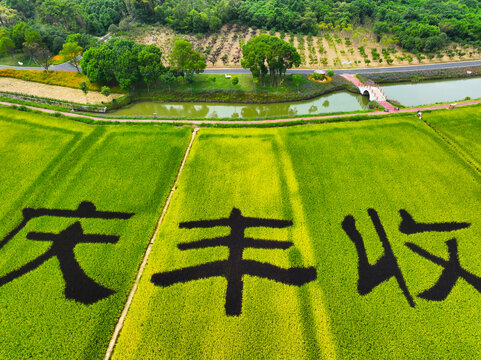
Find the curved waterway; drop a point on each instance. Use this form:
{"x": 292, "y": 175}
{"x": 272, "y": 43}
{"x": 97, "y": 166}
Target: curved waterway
{"x": 337, "y": 102}
{"x": 431, "y": 92}
{"x": 424, "y": 93}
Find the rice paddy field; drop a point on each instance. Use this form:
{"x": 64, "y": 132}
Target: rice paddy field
{"x": 349, "y": 240}
{"x": 57, "y": 164}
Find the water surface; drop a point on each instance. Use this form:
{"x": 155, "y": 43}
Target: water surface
{"x": 431, "y": 92}
{"x": 337, "y": 102}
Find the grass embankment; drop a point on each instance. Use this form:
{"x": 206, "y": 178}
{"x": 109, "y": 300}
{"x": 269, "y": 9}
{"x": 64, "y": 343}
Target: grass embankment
{"x": 54, "y": 163}
{"x": 222, "y": 90}
{"x": 421, "y": 75}
{"x": 14, "y": 59}
{"x": 315, "y": 176}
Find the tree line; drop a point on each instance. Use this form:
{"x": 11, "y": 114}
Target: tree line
{"x": 416, "y": 25}
{"x": 128, "y": 64}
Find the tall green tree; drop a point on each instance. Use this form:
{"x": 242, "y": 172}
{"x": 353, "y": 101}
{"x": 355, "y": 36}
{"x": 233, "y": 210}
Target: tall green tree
{"x": 268, "y": 54}
{"x": 186, "y": 59}
{"x": 150, "y": 64}
{"x": 18, "y": 34}
{"x": 71, "y": 52}
{"x": 65, "y": 13}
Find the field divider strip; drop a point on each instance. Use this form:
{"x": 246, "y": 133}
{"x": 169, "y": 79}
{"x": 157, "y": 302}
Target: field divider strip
{"x": 120, "y": 323}
{"x": 452, "y": 145}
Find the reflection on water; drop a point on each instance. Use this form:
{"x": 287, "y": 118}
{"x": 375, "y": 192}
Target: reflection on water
{"x": 338, "y": 102}
{"x": 431, "y": 92}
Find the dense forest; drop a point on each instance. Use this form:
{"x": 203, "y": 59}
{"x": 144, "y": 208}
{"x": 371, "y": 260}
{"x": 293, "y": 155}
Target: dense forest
{"x": 417, "y": 25}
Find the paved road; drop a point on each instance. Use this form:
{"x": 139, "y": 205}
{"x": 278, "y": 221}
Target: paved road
{"x": 362, "y": 71}
{"x": 60, "y": 67}
{"x": 68, "y": 67}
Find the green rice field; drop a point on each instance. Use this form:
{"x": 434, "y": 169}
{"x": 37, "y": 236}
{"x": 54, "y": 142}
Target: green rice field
{"x": 54, "y": 163}
{"x": 348, "y": 240}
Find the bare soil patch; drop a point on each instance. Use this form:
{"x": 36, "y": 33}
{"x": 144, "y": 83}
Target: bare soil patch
{"x": 54, "y": 92}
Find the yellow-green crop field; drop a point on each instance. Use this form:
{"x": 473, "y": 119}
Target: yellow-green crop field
{"x": 349, "y": 240}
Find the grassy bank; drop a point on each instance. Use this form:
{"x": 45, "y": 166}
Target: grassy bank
{"x": 217, "y": 88}
{"x": 423, "y": 75}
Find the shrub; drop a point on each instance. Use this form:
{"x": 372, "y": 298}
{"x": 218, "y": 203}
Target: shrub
{"x": 105, "y": 91}
{"x": 235, "y": 80}
{"x": 83, "y": 87}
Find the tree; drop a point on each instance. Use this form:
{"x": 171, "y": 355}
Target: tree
{"x": 98, "y": 64}
{"x": 264, "y": 53}
{"x": 214, "y": 23}
{"x": 150, "y": 64}
{"x": 65, "y": 13}
{"x": 126, "y": 70}
{"x": 168, "y": 78}
{"x": 186, "y": 59}
{"x": 71, "y": 52}
{"x": 235, "y": 80}
{"x": 42, "y": 55}
{"x": 8, "y": 16}
{"x": 18, "y": 34}
{"x": 86, "y": 41}
{"x": 33, "y": 43}
{"x": 6, "y": 45}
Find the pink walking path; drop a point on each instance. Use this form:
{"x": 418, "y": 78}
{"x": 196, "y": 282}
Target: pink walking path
{"x": 245, "y": 122}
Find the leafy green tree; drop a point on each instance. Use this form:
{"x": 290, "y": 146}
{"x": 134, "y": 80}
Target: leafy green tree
{"x": 18, "y": 34}
{"x": 86, "y": 41}
{"x": 168, "y": 78}
{"x": 150, "y": 64}
{"x": 33, "y": 42}
{"x": 65, "y": 13}
{"x": 41, "y": 54}
{"x": 98, "y": 64}
{"x": 8, "y": 16}
{"x": 235, "y": 80}
{"x": 126, "y": 70}
{"x": 268, "y": 54}
{"x": 214, "y": 23}
{"x": 71, "y": 52}
{"x": 186, "y": 59}
{"x": 6, "y": 45}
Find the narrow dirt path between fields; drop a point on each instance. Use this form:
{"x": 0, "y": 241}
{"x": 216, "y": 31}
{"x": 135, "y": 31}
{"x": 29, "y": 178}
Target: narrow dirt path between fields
{"x": 246, "y": 122}
{"x": 120, "y": 323}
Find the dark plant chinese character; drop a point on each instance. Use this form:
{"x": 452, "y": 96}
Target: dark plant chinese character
{"x": 409, "y": 226}
{"x": 78, "y": 286}
{"x": 385, "y": 268}
{"x": 235, "y": 267}
{"x": 451, "y": 273}
{"x": 85, "y": 210}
